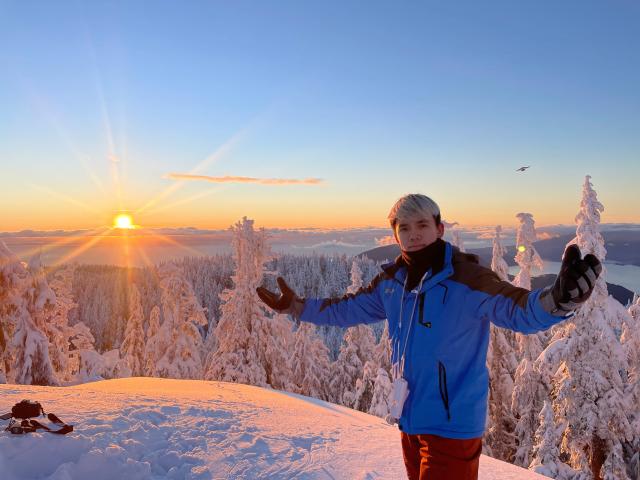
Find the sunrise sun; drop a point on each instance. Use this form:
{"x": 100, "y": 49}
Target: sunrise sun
{"x": 123, "y": 221}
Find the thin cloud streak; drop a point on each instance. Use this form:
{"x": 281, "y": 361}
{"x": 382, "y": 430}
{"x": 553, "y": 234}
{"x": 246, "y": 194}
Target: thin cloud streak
{"x": 232, "y": 179}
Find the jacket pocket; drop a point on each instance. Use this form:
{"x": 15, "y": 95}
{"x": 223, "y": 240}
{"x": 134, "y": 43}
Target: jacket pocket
{"x": 444, "y": 393}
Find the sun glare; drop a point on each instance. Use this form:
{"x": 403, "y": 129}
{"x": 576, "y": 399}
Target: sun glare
{"x": 123, "y": 221}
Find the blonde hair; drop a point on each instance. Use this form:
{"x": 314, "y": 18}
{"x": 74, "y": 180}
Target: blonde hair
{"x": 411, "y": 205}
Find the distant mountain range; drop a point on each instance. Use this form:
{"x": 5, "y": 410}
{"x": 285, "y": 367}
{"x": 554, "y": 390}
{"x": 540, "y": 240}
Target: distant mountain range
{"x": 622, "y": 246}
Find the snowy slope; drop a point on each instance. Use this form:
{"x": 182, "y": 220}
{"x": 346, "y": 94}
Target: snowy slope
{"x": 148, "y": 428}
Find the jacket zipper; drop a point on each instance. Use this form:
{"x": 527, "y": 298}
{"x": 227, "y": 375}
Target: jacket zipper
{"x": 442, "y": 383}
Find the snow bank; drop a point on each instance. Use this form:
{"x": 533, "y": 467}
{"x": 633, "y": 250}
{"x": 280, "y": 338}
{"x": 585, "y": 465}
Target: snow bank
{"x": 151, "y": 428}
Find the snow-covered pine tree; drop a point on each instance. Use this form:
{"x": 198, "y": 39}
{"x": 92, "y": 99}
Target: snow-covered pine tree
{"x": 356, "y": 278}
{"x": 132, "y": 349}
{"x": 526, "y": 400}
{"x": 360, "y": 340}
{"x": 589, "y": 384}
{"x": 25, "y": 296}
{"x": 346, "y": 371}
{"x": 365, "y": 386}
{"x": 526, "y": 257}
{"x": 156, "y": 343}
{"x": 630, "y": 340}
{"x": 310, "y": 363}
{"x": 382, "y": 351}
{"x": 498, "y": 263}
{"x": 357, "y": 350}
{"x": 381, "y": 392}
{"x": 183, "y": 316}
{"x": 13, "y": 284}
{"x": 501, "y": 363}
{"x": 85, "y": 364}
{"x": 237, "y": 358}
{"x": 273, "y": 340}
{"x": 546, "y": 445}
{"x": 57, "y": 329}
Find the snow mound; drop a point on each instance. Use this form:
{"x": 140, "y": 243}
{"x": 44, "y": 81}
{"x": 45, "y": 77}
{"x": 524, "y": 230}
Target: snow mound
{"x": 151, "y": 428}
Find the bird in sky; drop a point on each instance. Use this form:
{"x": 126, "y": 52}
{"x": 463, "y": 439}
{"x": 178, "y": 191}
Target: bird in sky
{"x": 522, "y": 169}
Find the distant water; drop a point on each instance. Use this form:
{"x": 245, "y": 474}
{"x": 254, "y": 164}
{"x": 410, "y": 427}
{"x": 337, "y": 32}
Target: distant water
{"x": 627, "y": 276}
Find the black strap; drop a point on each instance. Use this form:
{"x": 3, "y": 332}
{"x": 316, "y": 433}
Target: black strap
{"x": 62, "y": 431}
{"x": 31, "y": 425}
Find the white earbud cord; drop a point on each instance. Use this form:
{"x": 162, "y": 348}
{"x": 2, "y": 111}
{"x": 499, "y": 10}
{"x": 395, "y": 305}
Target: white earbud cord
{"x": 400, "y": 374}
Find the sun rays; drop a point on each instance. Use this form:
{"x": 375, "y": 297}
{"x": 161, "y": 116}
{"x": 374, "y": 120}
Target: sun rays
{"x": 124, "y": 228}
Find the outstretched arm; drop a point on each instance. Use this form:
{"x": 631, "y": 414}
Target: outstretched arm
{"x": 364, "y": 306}
{"x": 528, "y": 312}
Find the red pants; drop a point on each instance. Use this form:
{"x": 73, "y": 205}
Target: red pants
{"x": 430, "y": 457}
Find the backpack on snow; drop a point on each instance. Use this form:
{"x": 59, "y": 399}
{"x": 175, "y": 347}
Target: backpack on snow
{"x": 25, "y": 411}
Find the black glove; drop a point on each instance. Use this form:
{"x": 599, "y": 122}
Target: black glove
{"x": 574, "y": 283}
{"x": 287, "y": 302}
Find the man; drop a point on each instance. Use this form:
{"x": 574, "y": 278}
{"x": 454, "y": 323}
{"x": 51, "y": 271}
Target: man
{"x": 439, "y": 302}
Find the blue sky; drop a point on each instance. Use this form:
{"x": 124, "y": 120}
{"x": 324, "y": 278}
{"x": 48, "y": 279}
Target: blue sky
{"x": 375, "y": 98}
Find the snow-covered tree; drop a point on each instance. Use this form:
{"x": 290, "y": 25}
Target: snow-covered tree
{"x": 381, "y": 392}
{"x": 25, "y": 297}
{"x": 85, "y": 364}
{"x": 132, "y": 349}
{"x": 526, "y": 257}
{"x": 589, "y": 384}
{"x": 365, "y": 387}
{"x": 156, "y": 344}
{"x": 32, "y": 365}
{"x": 182, "y": 318}
{"x": 501, "y": 362}
{"x": 356, "y": 278}
{"x": 310, "y": 363}
{"x": 498, "y": 263}
{"x": 630, "y": 340}
{"x": 357, "y": 350}
{"x": 346, "y": 371}
{"x": 273, "y": 342}
{"x": 547, "y": 444}
{"x": 113, "y": 366}
{"x": 526, "y": 398}
{"x": 382, "y": 351}
{"x": 237, "y": 358}
{"x": 57, "y": 326}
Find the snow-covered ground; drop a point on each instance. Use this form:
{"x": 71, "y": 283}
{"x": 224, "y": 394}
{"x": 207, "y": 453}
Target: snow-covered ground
{"x": 151, "y": 428}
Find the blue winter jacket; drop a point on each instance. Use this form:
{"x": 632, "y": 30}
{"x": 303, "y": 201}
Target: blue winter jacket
{"x": 446, "y": 350}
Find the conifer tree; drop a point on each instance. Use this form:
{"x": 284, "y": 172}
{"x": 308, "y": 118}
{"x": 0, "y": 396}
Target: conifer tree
{"x": 589, "y": 384}
{"x": 182, "y": 318}
{"x": 237, "y": 358}
{"x": 310, "y": 363}
{"x": 132, "y": 349}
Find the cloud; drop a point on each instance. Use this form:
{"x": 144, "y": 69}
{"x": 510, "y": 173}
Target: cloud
{"x": 546, "y": 235}
{"x": 334, "y": 243}
{"x": 388, "y": 240}
{"x": 486, "y": 236}
{"x": 231, "y": 179}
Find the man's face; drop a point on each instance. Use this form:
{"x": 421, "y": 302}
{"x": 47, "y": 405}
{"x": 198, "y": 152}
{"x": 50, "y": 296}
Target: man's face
{"x": 415, "y": 233}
